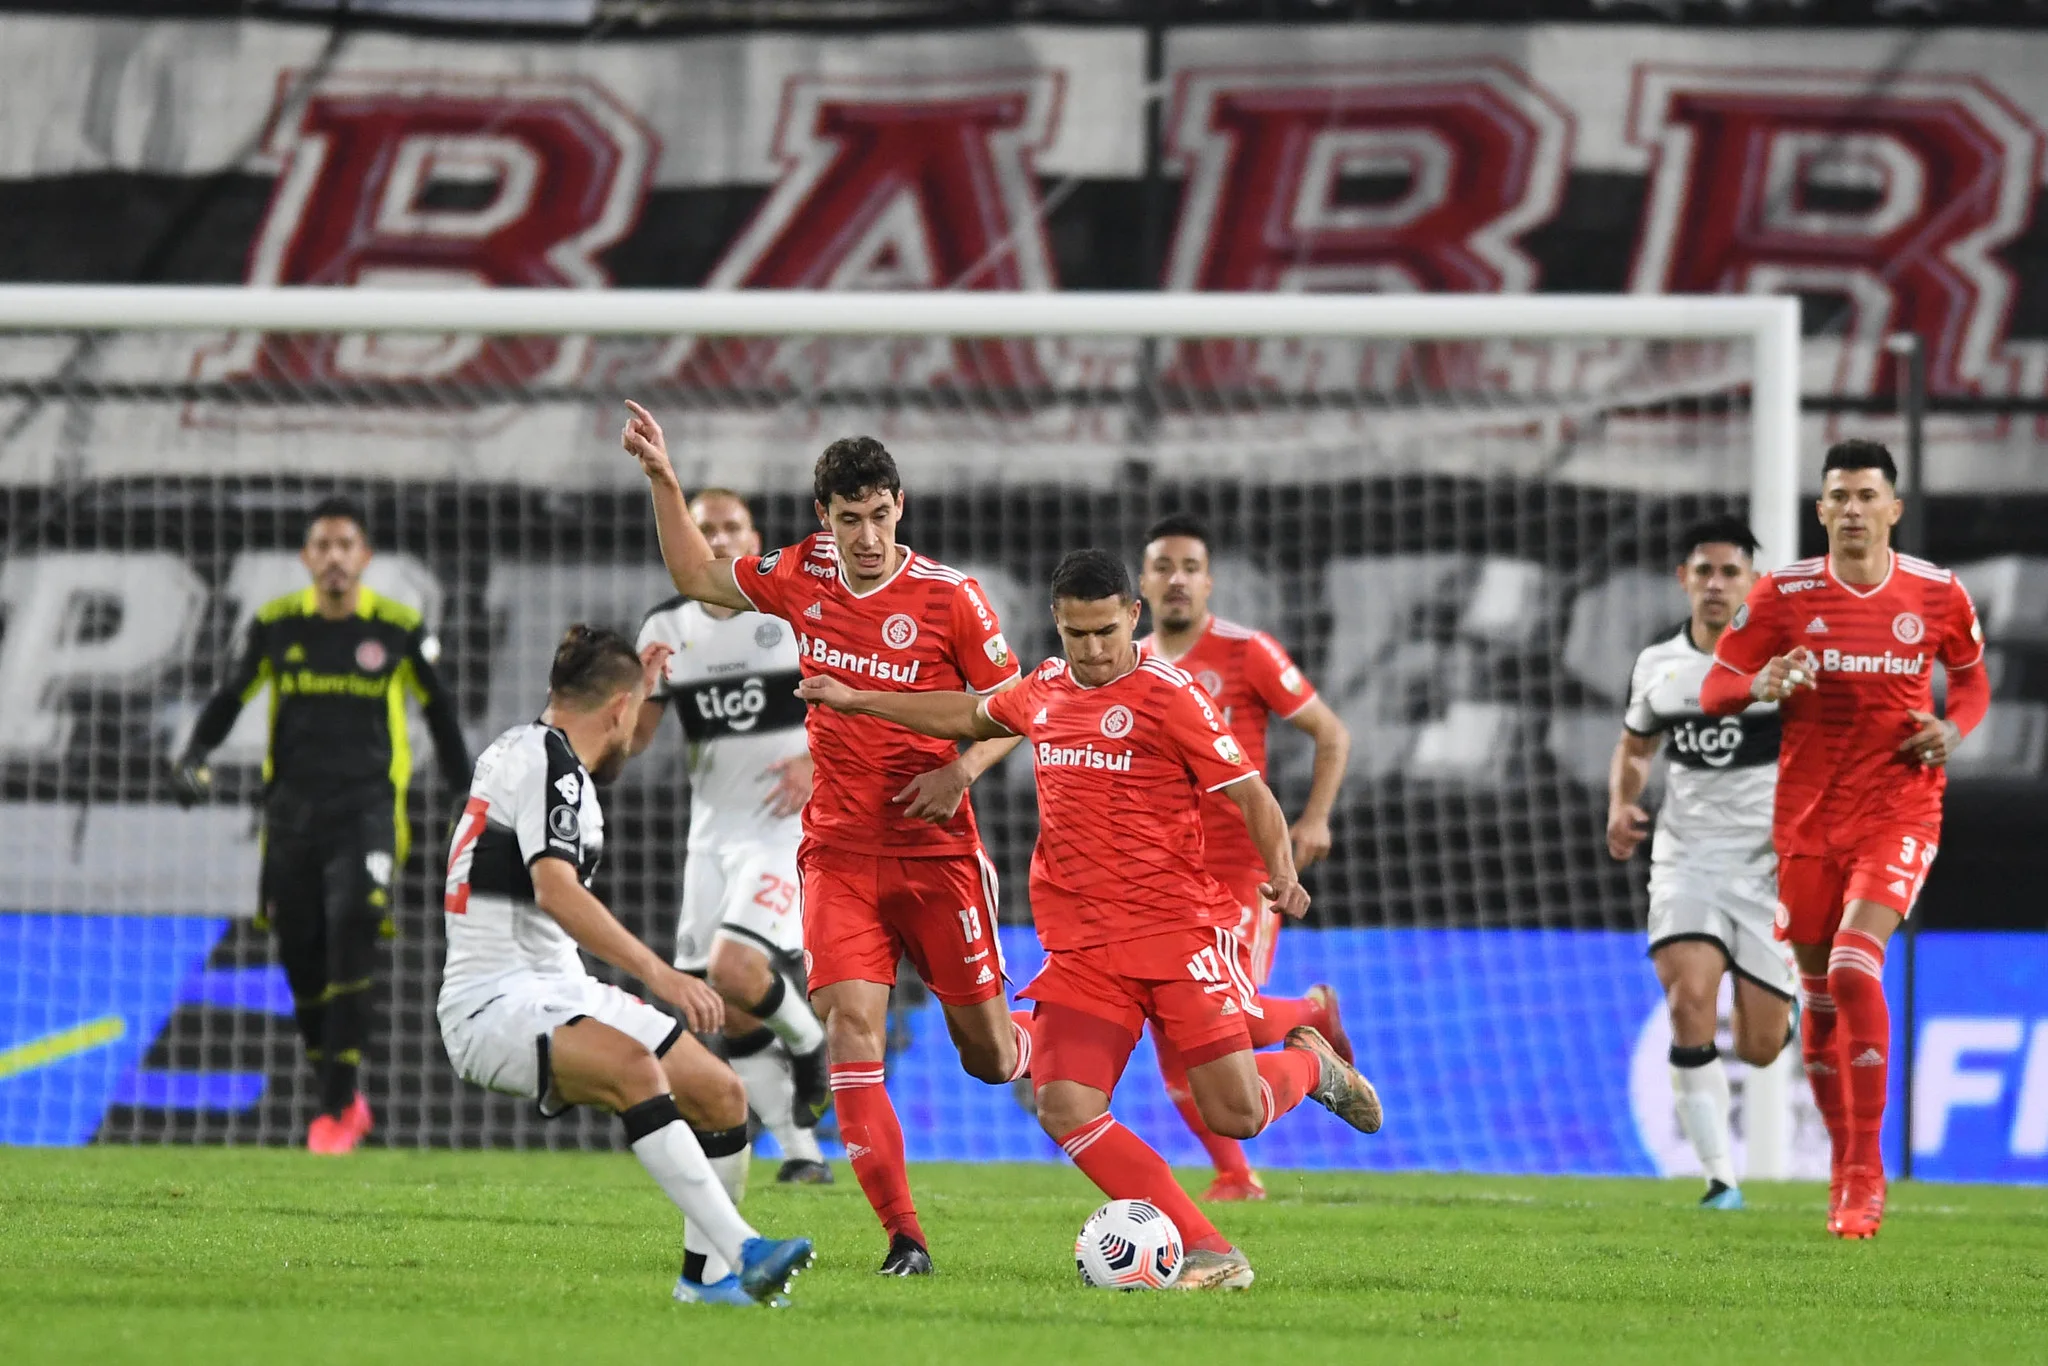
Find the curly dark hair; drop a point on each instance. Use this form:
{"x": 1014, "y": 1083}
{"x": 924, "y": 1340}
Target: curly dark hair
{"x": 855, "y": 467}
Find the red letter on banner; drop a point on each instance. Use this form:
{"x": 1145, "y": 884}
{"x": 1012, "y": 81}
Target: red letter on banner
{"x": 1392, "y": 178}
{"x": 1802, "y": 182}
{"x": 439, "y": 180}
{"x": 904, "y": 184}
{"x": 1377, "y": 178}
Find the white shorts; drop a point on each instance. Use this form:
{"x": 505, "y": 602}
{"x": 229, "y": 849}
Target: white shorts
{"x": 1735, "y": 911}
{"x": 498, "y": 1037}
{"x": 749, "y": 891}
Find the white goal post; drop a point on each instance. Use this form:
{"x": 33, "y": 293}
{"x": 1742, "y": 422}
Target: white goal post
{"x": 1459, "y": 513}
{"x": 1770, "y": 324}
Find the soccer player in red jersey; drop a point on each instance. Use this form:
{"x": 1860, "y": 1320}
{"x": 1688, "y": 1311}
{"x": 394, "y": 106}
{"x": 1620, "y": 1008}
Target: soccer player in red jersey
{"x": 1135, "y": 928}
{"x": 891, "y": 863}
{"x": 1249, "y": 675}
{"x": 1846, "y": 645}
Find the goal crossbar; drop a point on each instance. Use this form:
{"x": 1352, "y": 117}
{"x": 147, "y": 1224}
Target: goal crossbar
{"x": 1769, "y": 323}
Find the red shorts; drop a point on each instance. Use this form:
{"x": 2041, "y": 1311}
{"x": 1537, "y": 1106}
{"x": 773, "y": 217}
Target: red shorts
{"x": 1190, "y": 984}
{"x": 1258, "y": 924}
{"x": 1885, "y": 866}
{"x": 863, "y": 913}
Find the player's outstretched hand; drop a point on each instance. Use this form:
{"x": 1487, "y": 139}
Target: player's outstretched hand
{"x": 821, "y": 691}
{"x": 933, "y": 797}
{"x": 191, "y": 784}
{"x": 644, "y": 442}
{"x": 1626, "y": 827}
{"x": 703, "y": 1009}
{"x": 654, "y": 664}
{"x": 1289, "y": 898}
{"x": 1785, "y": 675}
{"x": 1933, "y": 743}
{"x": 1312, "y": 841}
{"x": 792, "y": 790}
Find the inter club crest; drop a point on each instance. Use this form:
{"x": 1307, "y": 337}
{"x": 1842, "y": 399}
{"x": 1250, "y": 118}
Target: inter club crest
{"x": 1908, "y": 627}
{"x": 1117, "y": 722}
{"x": 899, "y": 632}
{"x": 371, "y": 657}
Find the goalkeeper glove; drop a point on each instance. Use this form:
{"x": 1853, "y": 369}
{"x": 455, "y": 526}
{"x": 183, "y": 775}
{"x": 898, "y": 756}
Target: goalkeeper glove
{"x": 191, "y": 782}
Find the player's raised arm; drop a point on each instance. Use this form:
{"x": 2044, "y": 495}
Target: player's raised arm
{"x": 944, "y": 715}
{"x": 695, "y": 571}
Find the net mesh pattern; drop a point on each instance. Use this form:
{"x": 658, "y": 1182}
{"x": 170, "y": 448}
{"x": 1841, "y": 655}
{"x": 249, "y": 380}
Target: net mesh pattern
{"x": 1463, "y": 545}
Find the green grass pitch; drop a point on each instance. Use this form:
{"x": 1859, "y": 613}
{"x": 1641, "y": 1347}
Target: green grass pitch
{"x": 220, "y": 1256}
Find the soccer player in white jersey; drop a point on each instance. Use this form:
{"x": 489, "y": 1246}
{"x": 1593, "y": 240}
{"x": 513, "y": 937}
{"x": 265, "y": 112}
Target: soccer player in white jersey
{"x": 520, "y": 1014}
{"x": 1713, "y": 874}
{"x": 732, "y": 678}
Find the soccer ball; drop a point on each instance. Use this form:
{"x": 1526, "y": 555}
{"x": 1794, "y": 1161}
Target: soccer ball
{"x": 1128, "y": 1245}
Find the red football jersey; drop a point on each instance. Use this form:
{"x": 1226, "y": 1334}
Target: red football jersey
{"x": 1839, "y": 767}
{"x": 1121, "y": 771}
{"x": 927, "y": 629}
{"x": 1249, "y": 675}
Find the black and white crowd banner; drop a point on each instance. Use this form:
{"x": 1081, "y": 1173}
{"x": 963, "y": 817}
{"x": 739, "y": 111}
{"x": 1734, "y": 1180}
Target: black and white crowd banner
{"x": 1895, "y": 180}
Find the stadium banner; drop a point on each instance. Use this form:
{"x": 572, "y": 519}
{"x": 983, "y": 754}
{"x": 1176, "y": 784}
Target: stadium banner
{"x": 1893, "y": 178}
{"x": 1475, "y": 1078}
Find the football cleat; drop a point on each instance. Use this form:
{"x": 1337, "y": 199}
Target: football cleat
{"x": 1721, "y": 1195}
{"x": 725, "y": 1290}
{"x": 1235, "y": 1186}
{"x": 768, "y": 1265}
{"x": 907, "y": 1257}
{"x": 1325, "y": 995}
{"x": 337, "y": 1135}
{"x": 1837, "y": 1181}
{"x": 1343, "y": 1091}
{"x": 358, "y": 1117}
{"x": 801, "y": 1171}
{"x": 1205, "y": 1270}
{"x": 1862, "y": 1210}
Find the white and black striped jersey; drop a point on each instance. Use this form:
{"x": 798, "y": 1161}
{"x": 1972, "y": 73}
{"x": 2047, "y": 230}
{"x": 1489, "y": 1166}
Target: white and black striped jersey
{"x": 530, "y": 799}
{"x": 1724, "y": 770}
{"x": 732, "y": 685}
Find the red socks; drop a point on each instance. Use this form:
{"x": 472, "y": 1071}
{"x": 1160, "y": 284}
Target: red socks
{"x": 1817, "y": 1046}
{"x": 1283, "y": 1013}
{"x": 1124, "y": 1167}
{"x": 874, "y": 1145}
{"x": 1227, "y": 1154}
{"x": 1856, "y": 981}
{"x": 1284, "y": 1078}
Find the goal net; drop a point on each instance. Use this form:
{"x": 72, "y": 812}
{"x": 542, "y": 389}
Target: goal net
{"x": 1459, "y": 514}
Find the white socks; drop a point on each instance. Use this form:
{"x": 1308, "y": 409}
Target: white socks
{"x": 728, "y": 1152}
{"x": 1699, "y": 1086}
{"x": 772, "y": 1093}
{"x": 789, "y": 1015}
{"x": 669, "y": 1151}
